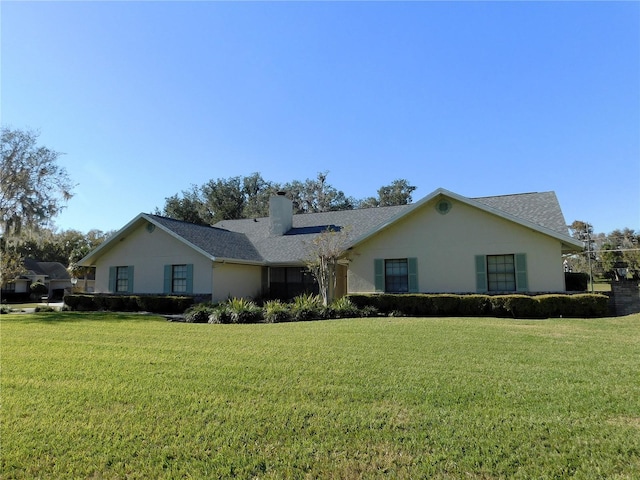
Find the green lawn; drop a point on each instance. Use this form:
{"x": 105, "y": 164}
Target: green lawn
{"x": 127, "y": 396}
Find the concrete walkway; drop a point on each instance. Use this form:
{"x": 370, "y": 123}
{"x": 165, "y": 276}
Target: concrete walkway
{"x": 56, "y": 305}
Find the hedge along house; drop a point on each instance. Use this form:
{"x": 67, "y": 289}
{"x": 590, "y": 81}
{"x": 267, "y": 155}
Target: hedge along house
{"x": 444, "y": 243}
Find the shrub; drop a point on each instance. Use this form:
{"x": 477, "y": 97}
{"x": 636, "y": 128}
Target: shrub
{"x": 516, "y": 306}
{"x": 163, "y": 303}
{"x": 307, "y": 307}
{"x": 128, "y": 303}
{"x": 361, "y": 301}
{"x": 220, "y": 314}
{"x": 418, "y": 305}
{"x": 81, "y": 303}
{"x": 44, "y": 309}
{"x": 199, "y": 313}
{"x": 474, "y": 305}
{"x": 344, "y": 308}
{"x": 445, "y": 304}
{"x": 520, "y": 306}
{"x": 242, "y": 310}
{"x": 38, "y": 288}
{"x": 555, "y": 305}
{"x": 589, "y": 305}
{"x": 276, "y": 312}
{"x": 369, "y": 311}
{"x": 4, "y": 309}
{"x": 116, "y": 303}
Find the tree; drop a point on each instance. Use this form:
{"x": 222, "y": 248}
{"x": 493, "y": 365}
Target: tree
{"x": 257, "y": 192}
{"x": 80, "y": 249}
{"x": 584, "y": 262}
{"x": 325, "y": 250}
{"x": 604, "y": 254}
{"x": 619, "y": 251}
{"x": 397, "y": 193}
{"x": 316, "y": 195}
{"x": 221, "y": 199}
{"x": 186, "y": 208}
{"x": 248, "y": 197}
{"x": 33, "y": 189}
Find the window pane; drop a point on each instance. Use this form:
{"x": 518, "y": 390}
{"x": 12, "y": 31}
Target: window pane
{"x": 122, "y": 279}
{"x": 396, "y": 276}
{"x": 179, "y": 278}
{"x": 501, "y": 273}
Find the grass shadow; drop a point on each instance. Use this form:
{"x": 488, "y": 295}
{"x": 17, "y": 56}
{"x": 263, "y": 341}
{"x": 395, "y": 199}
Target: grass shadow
{"x": 70, "y": 317}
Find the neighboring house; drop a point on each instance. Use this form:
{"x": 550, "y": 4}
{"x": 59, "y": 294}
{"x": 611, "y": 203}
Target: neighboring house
{"x": 53, "y": 274}
{"x": 444, "y": 243}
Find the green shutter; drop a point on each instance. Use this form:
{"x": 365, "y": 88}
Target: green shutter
{"x": 378, "y": 268}
{"x": 481, "y": 274}
{"x": 522, "y": 285}
{"x": 112, "y": 279}
{"x": 412, "y": 264}
{"x": 167, "y": 279}
{"x": 190, "y": 278}
{"x": 130, "y": 279}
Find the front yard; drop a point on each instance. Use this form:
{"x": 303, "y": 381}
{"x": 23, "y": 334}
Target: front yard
{"x": 126, "y": 396}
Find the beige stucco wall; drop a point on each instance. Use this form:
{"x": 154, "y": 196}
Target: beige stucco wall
{"x": 446, "y": 246}
{"x": 233, "y": 280}
{"x": 149, "y": 252}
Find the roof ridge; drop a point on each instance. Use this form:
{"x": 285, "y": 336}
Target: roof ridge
{"x": 511, "y": 195}
{"x": 191, "y": 224}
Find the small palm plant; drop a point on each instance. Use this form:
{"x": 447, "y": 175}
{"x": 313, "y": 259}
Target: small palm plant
{"x": 307, "y": 307}
{"x": 242, "y": 310}
{"x": 276, "y": 312}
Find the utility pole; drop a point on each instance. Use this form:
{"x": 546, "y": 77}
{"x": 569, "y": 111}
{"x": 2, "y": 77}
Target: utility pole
{"x": 588, "y": 236}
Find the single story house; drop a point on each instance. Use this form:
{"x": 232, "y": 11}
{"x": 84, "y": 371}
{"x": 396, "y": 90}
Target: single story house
{"x": 444, "y": 243}
{"x": 52, "y": 274}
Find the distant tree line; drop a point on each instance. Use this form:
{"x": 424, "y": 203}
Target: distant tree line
{"x": 613, "y": 256}
{"x": 66, "y": 247}
{"x": 248, "y": 197}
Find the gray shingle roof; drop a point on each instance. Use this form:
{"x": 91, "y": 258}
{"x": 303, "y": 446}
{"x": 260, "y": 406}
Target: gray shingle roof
{"x": 54, "y": 270}
{"x": 217, "y": 242}
{"x": 293, "y": 247}
{"x": 250, "y": 239}
{"x": 540, "y": 208}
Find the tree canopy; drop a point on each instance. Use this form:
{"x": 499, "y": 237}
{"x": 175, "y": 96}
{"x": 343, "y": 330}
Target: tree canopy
{"x": 248, "y": 197}
{"x": 33, "y": 186}
{"x": 33, "y": 189}
{"x": 609, "y": 254}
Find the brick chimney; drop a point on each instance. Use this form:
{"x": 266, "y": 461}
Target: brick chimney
{"x": 280, "y": 214}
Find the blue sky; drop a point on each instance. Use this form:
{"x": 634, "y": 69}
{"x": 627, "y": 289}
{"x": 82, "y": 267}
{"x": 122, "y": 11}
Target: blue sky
{"x": 147, "y": 99}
